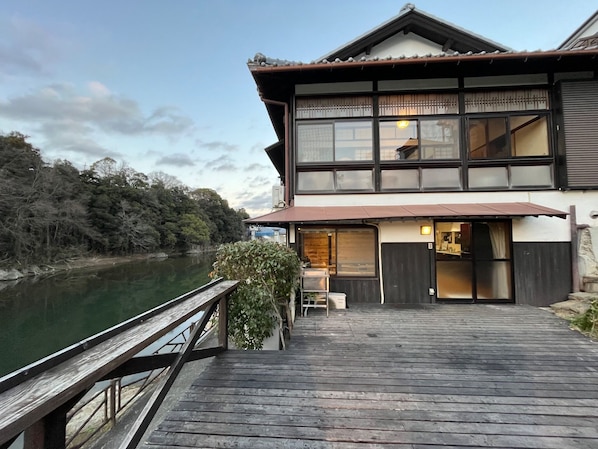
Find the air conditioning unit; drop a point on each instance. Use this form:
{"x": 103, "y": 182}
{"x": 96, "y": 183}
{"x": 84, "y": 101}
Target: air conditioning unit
{"x": 277, "y": 197}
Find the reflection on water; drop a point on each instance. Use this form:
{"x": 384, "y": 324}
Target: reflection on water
{"x": 41, "y": 316}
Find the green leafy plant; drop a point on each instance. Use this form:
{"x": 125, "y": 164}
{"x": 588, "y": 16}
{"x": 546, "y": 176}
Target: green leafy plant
{"x": 269, "y": 273}
{"x": 588, "y": 322}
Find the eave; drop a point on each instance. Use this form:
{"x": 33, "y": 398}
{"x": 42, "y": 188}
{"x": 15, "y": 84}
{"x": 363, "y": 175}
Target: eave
{"x": 276, "y": 79}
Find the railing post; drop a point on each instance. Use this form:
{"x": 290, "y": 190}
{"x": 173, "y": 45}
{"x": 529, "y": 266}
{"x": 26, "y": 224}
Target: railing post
{"x": 223, "y": 322}
{"x": 50, "y": 432}
{"x": 113, "y": 385}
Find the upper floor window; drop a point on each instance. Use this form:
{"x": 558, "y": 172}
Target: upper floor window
{"x": 418, "y": 104}
{"x": 507, "y": 101}
{"x": 419, "y": 139}
{"x": 508, "y": 137}
{"x": 333, "y": 107}
{"x": 334, "y": 141}
{"x": 484, "y": 140}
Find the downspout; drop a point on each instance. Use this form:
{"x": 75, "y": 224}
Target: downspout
{"x": 287, "y": 192}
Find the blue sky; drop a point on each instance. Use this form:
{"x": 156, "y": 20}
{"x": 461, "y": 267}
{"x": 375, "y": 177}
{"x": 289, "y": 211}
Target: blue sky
{"x": 163, "y": 86}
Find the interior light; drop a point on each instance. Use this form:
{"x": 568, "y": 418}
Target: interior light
{"x": 425, "y": 230}
{"x": 402, "y": 124}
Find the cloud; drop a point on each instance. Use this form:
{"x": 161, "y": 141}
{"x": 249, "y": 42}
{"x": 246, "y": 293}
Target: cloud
{"x": 255, "y": 167}
{"x": 74, "y": 137}
{"x": 76, "y": 122}
{"x": 98, "y": 108}
{"x": 257, "y": 181}
{"x": 219, "y": 146}
{"x": 97, "y": 89}
{"x": 254, "y": 203}
{"x": 223, "y": 164}
{"x": 176, "y": 160}
{"x": 26, "y": 48}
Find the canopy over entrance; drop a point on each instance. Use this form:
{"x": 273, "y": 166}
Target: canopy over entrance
{"x": 320, "y": 214}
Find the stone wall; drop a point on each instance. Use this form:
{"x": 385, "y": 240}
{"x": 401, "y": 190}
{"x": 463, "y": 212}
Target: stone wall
{"x": 588, "y": 264}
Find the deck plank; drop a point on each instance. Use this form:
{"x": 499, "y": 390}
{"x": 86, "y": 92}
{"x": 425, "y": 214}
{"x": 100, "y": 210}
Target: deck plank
{"x": 379, "y": 377}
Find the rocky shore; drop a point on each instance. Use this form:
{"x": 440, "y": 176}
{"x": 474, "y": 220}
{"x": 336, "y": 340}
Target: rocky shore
{"x": 14, "y": 274}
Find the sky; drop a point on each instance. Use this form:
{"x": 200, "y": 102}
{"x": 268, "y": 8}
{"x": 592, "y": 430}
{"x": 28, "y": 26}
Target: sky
{"x": 163, "y": 85}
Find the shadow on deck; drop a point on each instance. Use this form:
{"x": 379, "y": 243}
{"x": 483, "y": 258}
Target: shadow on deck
{"x": 380, "y": 377}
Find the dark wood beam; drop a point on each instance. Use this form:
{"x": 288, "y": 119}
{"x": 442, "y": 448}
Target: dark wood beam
{"x": 156, "y": 361}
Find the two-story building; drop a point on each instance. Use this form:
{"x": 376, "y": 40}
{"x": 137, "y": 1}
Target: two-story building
{"x": 424, "y": 163}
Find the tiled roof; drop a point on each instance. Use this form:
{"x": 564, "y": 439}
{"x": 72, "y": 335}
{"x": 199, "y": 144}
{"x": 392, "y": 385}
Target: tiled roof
{"x": 587, "y": 45}
{"x": 428, "y": 26}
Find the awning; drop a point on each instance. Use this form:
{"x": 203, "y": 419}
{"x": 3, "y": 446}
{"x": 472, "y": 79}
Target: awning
{"x": 315, "y": 214}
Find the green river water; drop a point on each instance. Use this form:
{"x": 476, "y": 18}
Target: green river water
{"x": 41, "y": 316}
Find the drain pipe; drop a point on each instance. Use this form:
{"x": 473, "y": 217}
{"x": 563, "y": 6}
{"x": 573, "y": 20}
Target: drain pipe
{"x": 287, "y": 192}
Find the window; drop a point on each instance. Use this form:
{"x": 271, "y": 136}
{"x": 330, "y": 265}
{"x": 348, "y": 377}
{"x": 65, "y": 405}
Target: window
{"x": 315, "y": 181}
{"x": 399, "y": 179}
{"x": 335, "y": 180}
{"x": 331, "y": 107}
{"x": 418, "y": 104}
{"x": 354, "y": 180}
{"x": 507, "y": 101}
{"x": 441, "y": 178}
{"x": 334, "y": 141}
{"x": 508, "y": 137}
{"x": 419, "y": 139}
{"x": 344, "y": 251}
{"x": 510, "y": 176}
{"x": 473, "y": 140}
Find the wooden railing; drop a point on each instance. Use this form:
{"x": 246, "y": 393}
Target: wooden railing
{"x": 36, "y": 399}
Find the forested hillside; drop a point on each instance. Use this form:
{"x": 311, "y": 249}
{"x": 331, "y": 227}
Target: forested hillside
{"x": 50, "y": 212}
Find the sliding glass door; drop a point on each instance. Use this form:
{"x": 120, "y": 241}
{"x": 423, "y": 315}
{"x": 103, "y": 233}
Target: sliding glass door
{"x": 473, "y": 261}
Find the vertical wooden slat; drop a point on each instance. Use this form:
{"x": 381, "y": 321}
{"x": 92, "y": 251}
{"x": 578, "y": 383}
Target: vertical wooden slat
{"x": 366, "y": 290}
{"x": 223, "y": 322}
{"x": 542, "y": 272}
{"x": 407, "y": 273}
{"x": 580, "y": 115}
{"x": 574, "y": 247}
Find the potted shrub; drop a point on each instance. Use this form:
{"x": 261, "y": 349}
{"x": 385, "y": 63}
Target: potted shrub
{"x": 270, "y": 274}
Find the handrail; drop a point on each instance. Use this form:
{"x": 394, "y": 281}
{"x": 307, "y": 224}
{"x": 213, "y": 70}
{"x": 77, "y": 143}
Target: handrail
{"x": 16, "y": 377}
{"x": 60, "y": 381}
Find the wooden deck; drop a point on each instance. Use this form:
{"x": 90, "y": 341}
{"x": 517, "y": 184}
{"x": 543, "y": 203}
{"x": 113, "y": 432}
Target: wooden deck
{"x": 383, "y": 377}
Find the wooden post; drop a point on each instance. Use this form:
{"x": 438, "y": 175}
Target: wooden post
{"x": 223, "y": 322}
{"x": 574, "y": 250}
{"x": 50, "y": 432}
{"x": 113, "y": 386}
{"x": 133, "y": 438}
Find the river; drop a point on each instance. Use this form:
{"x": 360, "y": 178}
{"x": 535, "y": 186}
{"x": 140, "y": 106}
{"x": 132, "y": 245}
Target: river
{"x": 40, "y": 316}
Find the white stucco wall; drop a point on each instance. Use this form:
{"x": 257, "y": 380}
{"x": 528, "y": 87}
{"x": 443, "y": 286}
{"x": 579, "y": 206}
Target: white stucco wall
{"x": 528, "y": 229}
{"x": 401, "y": 44}
{"x": 404, "y": 232}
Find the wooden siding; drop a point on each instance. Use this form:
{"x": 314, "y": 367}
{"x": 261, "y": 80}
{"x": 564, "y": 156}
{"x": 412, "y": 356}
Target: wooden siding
{"x": 357, "y": 290}
{"x": 407, "y": 271}
{"x": 580, "y": 117}
{"x": 368, "y": 377}
{"x": 542, "y": 272}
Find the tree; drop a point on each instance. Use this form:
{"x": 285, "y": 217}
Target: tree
{"x": 225, "y": 224}
{"x": 21, "y": 208}
{"x": 48, "y": 212}
{"x": 194, "y": 230}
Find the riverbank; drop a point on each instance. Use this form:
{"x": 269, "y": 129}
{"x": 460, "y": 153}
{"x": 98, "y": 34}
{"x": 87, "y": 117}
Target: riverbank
{"x": 14, "y": 274}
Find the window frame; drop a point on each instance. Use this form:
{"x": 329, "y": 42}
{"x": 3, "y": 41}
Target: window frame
{"x": 334, "y": 259}
{"x": 335, "y": 160}
{"x": 463, "y": 163}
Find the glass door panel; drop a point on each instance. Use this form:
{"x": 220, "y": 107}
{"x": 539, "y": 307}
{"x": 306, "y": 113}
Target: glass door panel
{"x": 454, "y": 268}
{"x": 493, "y": 280}
{"x": 473, "y": 261}
{"x": 454, "y": 279}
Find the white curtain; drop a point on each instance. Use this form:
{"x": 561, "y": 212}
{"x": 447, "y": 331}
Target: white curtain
{"x": 500, "y": 269}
